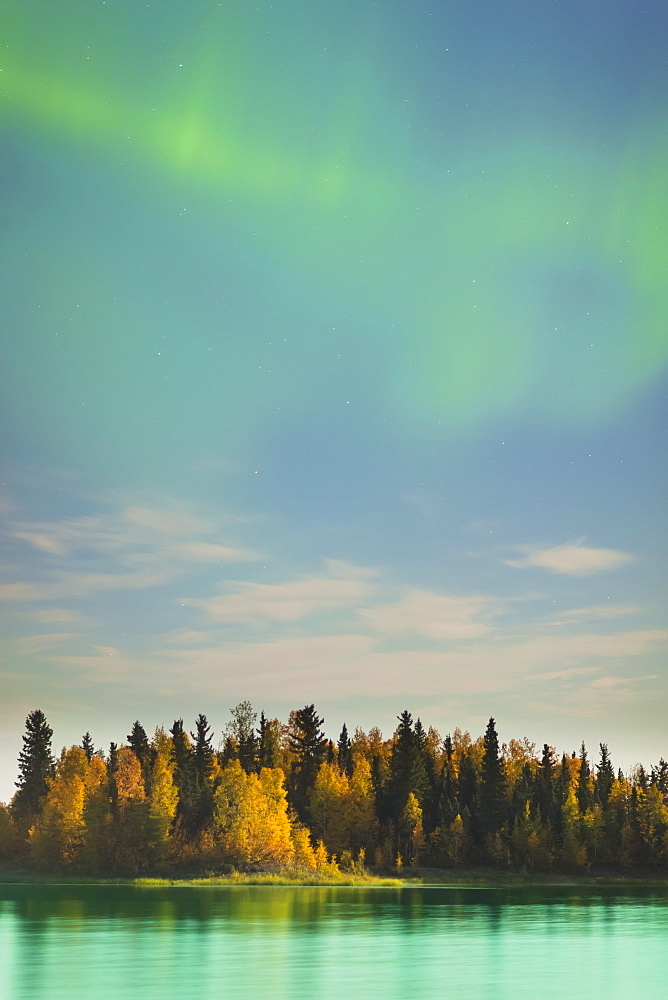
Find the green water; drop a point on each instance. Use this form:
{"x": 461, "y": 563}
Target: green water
{"x": 128, "y": 943}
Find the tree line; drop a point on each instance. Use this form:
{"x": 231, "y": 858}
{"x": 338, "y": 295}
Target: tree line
{"x": 277, "y": 795}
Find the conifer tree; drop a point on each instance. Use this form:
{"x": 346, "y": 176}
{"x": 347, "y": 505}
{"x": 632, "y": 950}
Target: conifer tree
{"x": 583, "y": 789}
{"x": 345, "y": 757}
{"x": 309, "y": 745}
{"x": 87, "y": 746}
{"x": 139, "y": 744}
{"x": 184, "y": 773}
{"x": 268, "y": 743}
{"x": 492, "y": 788}
{"x": 407, "y": 769}
{"x": 605, "y": 776}
{"x": 36, "y": 766}
{"x": 203, "y": 761}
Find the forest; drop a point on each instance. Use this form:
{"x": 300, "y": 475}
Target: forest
{"x": 274, "y": 796}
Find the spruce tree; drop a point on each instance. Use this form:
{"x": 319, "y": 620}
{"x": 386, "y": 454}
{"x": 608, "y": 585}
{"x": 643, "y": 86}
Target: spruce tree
{"x": 36, "y": 766}
{"x": 87, "y": 746}
{"x": 203, "y": 763}
{"x": 544, "y": 792}
{"x": 267, "y": 743}
{"x": 492, "y": 788}
{"x": 345, "y": 757}
{"x": 309, "y": 746}
{"x": 605, "y": 776}
{"x": 184, "y": 773}
{"x": 139, "y": 744}
{"x": 583, "y": 790}
{"x": 407, "y": 769}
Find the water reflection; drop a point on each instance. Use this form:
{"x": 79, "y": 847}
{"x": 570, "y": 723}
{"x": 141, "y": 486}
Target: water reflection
{"x": 123, "y": 942}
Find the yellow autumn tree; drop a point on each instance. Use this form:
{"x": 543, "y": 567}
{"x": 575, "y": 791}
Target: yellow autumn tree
{"x": 328, "y": 807}
{"x": 342, "y": 808}
{"x": 250, "y": 819}
{"x": 410, "y": 829}
{"x": 574, "y": 852}
{"x": 97, "y": 818}
{"x": 361, "y": 822}
{"x": 163, "y": 801}
{"x": 132, "y": 813}
{"x": 58, "y": 836}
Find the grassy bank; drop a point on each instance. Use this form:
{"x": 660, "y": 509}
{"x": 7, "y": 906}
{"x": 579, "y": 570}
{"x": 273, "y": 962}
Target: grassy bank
{"x": 480, "y": 878}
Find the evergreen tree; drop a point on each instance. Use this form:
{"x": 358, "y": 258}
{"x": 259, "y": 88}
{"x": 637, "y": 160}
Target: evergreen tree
{"x": 583, "y": 789}
{"x": 202, "y": 755}
{"x": 544, "y": 792}
{"x": 184, "y": 773}
{"x": 492, "y": 788}
{"x": 659, "y": 776}
{"x": 468, "y": 793}
{"x": 36, "y": 766}
{"x": 87, "y": 746}
{"x": 445, "y": 809}
{"x": 310, "y": 748}
{"x": 429, "y": 764}
{"x": 407, "y": 770}
{"x": 268, "y": 744}
{"x": 345, "y": 756}
{"x": 112, "y": 766}
{"x": 605, "y": 776}
{"x": 139, "y": 744}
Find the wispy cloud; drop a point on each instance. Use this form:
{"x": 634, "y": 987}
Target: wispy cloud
{"x": 433, "y": 615}
{"x": 598, "y": 611}
{"x": 570, "y": 559}
{"x": 132, "y": 547}
{"x": 341, "y": 587}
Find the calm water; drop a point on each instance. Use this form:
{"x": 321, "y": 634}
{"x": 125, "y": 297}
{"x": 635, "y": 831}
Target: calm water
{"x": 126, "y": 943}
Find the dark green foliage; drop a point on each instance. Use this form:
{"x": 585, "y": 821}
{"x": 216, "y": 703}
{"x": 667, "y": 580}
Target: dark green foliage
{"x": 87, "y": 746}
{"x": 492, "y": 786}
{"x": 35, "y": 766}
{"x": 268, "y": 743}
{"x": 202, "y": 767}
{"x": 605, "y": 775}
{"x": 583, "y": 791}
{"x": 407, "y": 766}
{"x": 545, "y": 799}
{"x": 184, "y": 774}
{"x": 309, "y": 746}
{"x": 112, "y": 764}
{"x": 345, "y": 757}
{"x": 445, "y": 796}
{"x": 659, "y": 776}
{"x": 140, "y": 746}
{"x": 202, "y": 755}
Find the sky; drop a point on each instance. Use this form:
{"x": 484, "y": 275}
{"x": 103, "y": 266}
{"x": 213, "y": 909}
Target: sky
{"x": 334, "y": 366}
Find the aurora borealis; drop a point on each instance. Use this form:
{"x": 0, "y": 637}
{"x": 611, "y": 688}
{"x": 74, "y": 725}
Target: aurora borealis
{"x": 334, "y": 342}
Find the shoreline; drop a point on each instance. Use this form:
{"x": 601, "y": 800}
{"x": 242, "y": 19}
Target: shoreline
{"x": 469, "y": 878}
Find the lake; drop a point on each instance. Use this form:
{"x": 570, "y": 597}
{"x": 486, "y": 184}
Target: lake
{"x": 315, "y": 943}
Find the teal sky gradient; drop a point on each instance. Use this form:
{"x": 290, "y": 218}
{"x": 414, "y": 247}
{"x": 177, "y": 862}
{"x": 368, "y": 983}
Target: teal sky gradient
{"x": 334, "y": 343}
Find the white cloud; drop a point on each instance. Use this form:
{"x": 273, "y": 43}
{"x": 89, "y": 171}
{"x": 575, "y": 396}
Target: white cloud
{"x": 570, "y": 559}
{"x": 131, "y": 548}
{"x": 341, "y": 587}
{"x": 435, "y": 616}
{"x": 601, "y": 611}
